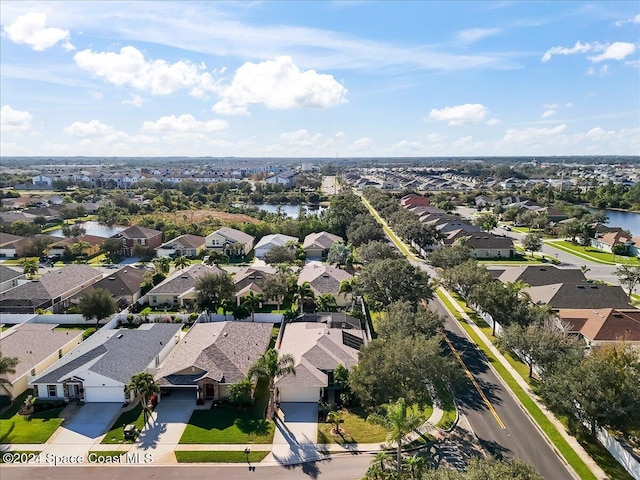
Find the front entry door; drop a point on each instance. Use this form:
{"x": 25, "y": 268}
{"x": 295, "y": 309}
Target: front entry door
{"x": 209, "y": 390}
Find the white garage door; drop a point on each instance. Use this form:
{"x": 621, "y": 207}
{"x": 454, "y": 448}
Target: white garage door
{"x": 104, "y": 394}
{"x": 299, "y": 394}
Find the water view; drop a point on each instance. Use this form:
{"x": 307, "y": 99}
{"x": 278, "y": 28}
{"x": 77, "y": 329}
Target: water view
{"x": 626, "y": 220}
{"x": 291, "y": 211}
{"x": 94, "y": 228}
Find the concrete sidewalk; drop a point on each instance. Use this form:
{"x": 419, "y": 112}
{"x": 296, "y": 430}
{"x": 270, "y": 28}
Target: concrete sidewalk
{"x": 575, "y": 445}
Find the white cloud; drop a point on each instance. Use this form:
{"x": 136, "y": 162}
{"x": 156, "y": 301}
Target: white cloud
{"x": 474, "y": 34}
{"x": 577, "y": 48}
{"x": 436, "y": 138}
{"x": 494, "y": 121}
{"x": 96, "y": 95}
{"x": 615, "y": 51}
{"x": 135, "y": 100}
{"x": 31, "y": 29}
{"x": 363, "y": 142}
{"x": 92, "y": 129}
{"x": 528, "y": 136}
{"x": 301, "y": 138}
{"x": 460, "y": 114}
{"x": 279, "y": 84}
{"x": 548, "y": 113}
{"x": 635, "y": 19}
{"x": 339, "y": 135}
{"x": 129, "y": 67}
{"x": 14, "y": 120}
{"x": 183, "y": 124}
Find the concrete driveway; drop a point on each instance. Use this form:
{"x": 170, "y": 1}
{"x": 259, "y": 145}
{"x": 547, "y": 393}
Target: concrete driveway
{"x": 84, "y": 429}
{"x": 162, "y": 433}
{"x": 296, "y": 433}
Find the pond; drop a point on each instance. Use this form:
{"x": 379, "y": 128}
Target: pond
{"x": 93, "y": 228}
{"x": 625, "y": 220}
{"x": 291, "y": 211}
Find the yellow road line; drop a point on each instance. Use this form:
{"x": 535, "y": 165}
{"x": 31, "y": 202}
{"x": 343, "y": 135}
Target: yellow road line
{"x": 475, "y": 384}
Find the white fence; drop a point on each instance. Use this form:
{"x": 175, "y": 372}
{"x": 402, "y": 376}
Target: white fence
{"x": 620, "y": 453}
{"x": 258, "y": 318}
{"x": 56, "y": 319}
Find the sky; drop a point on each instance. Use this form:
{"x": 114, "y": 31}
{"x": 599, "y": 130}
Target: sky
{"x": 319, "y": 79}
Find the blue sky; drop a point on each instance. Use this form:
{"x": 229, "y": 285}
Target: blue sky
{"x": 350, "y": 78}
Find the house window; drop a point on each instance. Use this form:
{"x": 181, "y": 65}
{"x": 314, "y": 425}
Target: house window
{"x": 35, "y": 391}
{"x": 52, "y": 390}
{"x": 330, "y": 379}
{"x": 175, "y": 300}
{"x": 154, "y": 299}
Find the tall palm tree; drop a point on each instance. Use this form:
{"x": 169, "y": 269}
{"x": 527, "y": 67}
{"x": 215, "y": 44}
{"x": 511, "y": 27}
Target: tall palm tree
{"x": 398, "y": 422}
{"x": 181, "y": 262}
{"x": 162, "y": 264}
{"x": 270, "y": 365}
{"x": 378, "y": 468}
{"x": 325, "y": 301}
{"x": 143, "y": 385}
{"x": 78, "y": 248}
{"x": 30, "y": 267}
{"x": 302, "y": 294}
{"x": 251, "y": 302}
{"x": 346, "y": 286}
{"x": 416, "y": 466}
{"x": 7, "y": 365}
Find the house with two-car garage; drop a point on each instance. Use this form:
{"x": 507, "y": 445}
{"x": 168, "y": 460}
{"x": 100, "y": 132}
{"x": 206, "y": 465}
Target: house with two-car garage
{"x": 99, "y": 369}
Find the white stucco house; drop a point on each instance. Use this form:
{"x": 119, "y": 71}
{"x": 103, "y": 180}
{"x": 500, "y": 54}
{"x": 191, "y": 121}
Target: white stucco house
{"x": 99, "y": 369}
{"x": 42, "y": 180}
{"x": 229, "y": 240}
{"x": 267, "y": 242}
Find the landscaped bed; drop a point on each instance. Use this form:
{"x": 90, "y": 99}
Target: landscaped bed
{"x": 226, "y": 424}
{"x": 116, "y": 434}
{"x": 36, "y": 428}
{"x": 219, "y": 456}
{"x": 355, "y": 429}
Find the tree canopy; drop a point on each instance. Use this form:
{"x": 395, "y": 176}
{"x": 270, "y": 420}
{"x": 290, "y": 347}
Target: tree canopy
{"x": 98, "y": 304}
{"x": 212, "y": 289}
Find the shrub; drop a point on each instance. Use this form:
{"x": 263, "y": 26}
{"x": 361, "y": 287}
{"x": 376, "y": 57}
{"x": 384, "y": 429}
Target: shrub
{"x": 88, "y": 332}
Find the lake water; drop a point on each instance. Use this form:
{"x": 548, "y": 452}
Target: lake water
{"x": 626, "y": 220}
{"x": 291, "y": 211}
{"x": 94, "y": 228}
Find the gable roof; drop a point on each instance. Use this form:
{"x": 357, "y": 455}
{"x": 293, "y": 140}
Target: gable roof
{"x": 31, "y": 343}
{"x": 605, "y": 325}
{"x": 222, "y": 351}
{"x": 116, "y": 354}
{"x": 489, "y": 241}
{"x": 125, "y": 281}
{"x": 7, "y": 274}
{"x": 275, "y": 239}
{"x": 323, "y": 278}
{"x": 186, "y": 241}
{"x": 233, "y": 235}
{"x": 183, "y": 280}
{"x": 92, "y": 240}
{"x": 538, "y": 275}
{"x": 136, "y": 231}
{"x": 7, "y": 238}
{"x": 572, "y": 295}
{"x": 322, "y": 240}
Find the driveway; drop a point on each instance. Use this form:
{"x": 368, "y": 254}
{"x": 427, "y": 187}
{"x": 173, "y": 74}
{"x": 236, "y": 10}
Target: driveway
{"x": 84, "y": 429}
{"x": 162, "y": 434}
{"x": 296, "y": 433}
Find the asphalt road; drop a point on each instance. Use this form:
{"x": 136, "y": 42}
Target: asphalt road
{"x": 349, "y": 467}
{"x": 520, "y": 439}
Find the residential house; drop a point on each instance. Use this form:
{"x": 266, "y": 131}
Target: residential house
{"x": 267, "y": 242}
{"x": 13, "y": 246}
{"x": 607, "y": 240}
{"x": 604, "y": 326}
{"x": 8, "y": 218}
{"x": 51, "y": 292}
{"x": 572, "y": 295}
{"x": 414, "y": 200}
{"x": 553, "y": 214}
{"x": 61, "y": 246}
{"x": 138, "y": 236}
{"x": 325, "y": 279}
{"x": 283, "y": 178}
{"x": 124, "y": 285}
{"x": 42, "y": 181}
{"x": 184, "y": 245}
{"x": 37, "y": 346}
{"x": 487, "y": 245}
{"x": 50, "y": 214}
{"x": 213, "y": 356}
{"x": 249, "y": 279}
{"x": 317, "y": 349}
{"x": 178, "y": 290}
{"x": 317, "y": 245}
{"x": 539, "y": 275}
{"x": 99, "y": 369}
{"x": 9, "y": 278}
{"x": 229, "y": 241}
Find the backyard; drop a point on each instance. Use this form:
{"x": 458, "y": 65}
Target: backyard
{"x": 36, "y": 428}
{"x": 226, "y": 424}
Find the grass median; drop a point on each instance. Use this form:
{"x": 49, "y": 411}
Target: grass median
{"x": 219, "y": 456}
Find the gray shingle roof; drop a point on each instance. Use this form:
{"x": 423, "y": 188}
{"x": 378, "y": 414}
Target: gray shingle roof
{"x": 136, "y": 231}
{"x": 537, "y": 275}
{"x": 320, "y": 240}
{"x": 185, "y": 241}
{"x": 275, "y": 239}
{"x": 223, "y": 351}
{"x": 116, "y": 354}
{"x": 572, "y": 295}
{"x": 235, "y": 235}
{"x": 323, "y": 279}
{"x": 183, "y": 280}
{"x": 7, "y": 273}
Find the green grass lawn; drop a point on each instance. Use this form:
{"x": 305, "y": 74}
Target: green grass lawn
{"x": 355, "y": 429}
{"x": 34, "y": 429}
{"x": 219, "y": 456}
{"x": 116, "y": 434}
{"x": 225, "y": 424}
{"x": 593, "y": 254}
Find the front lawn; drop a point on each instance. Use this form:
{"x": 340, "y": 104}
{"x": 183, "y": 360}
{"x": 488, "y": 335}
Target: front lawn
{"x": 355, "y": 429}
{"x": 36, "y": 428}
{"x": 225, "y": 424}
{"x": 116, "y": 434}
{"x": 593, "y": 254}
{"x": 220, "y": 456}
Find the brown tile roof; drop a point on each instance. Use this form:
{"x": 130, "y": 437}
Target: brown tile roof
{"x": 606, "y": 324}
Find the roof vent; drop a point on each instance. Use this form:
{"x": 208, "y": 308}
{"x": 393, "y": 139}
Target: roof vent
{"x": 595, "y": 287}
{"x": 120, "y": 335}
{"x": 581, "y": 286}
{"x": 225, "y": 334}
{"x": 112, "y": 278}
{"x": 617, "y": 315}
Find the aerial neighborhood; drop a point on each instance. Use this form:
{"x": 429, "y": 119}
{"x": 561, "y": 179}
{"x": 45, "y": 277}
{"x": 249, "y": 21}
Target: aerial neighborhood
{"x": 284, "y": 313}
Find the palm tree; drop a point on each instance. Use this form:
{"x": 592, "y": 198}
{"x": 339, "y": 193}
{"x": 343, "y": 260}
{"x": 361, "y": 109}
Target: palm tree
{"x": 346, "y": 286}
{"x": 270, "y": 365}
{"x": 162, "y": 264}
{"x": 325, "y": 301}
{"x": 378, "y": 468}
{"x": 227, "y": 305}
{"x": 416, "y": 466}
{"x": 78, "y": 248}
{"x": 334, "y": 417}
{"x": 302, "y": 294}
{"x": 251, "y": 302}
{"x": 398, "y": 421}
{"x": 30, "y": 267}
{"x": 7, "y": 365}
{"x": 143, "y": 385}
{"x": 181, "y": 262}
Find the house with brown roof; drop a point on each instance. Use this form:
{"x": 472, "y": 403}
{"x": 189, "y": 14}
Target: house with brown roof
{"x": 317, "y": 245}
{"x": 124, "y": 285}
{"x": 64, "y": 244}
{"x": 250, "y": 279}
{"x": 178, "y": 289}
{"x": 37, "y": 346}
{"x": 9, "y": 244}
{"x": 185, "y": 245}
{"x": 607, "y": 240}
{"x": 230, "y": 241}
{"x": 414, "y": 200}
{"x": 9, "y": 278}
{"x": 213, "y": 356}
{"x": 603, "y": 326}
{"x": 317, "y": 349}
{"x": 138, "y": 236}
{"x": 325, "y": 279}
{"x": 52, "y": 291}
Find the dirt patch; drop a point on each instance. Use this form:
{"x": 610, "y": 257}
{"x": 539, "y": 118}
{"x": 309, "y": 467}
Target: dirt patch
{"x": 199, "y": 216}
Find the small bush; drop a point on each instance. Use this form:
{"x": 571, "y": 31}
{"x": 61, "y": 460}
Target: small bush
{"x": 88, "y": 332}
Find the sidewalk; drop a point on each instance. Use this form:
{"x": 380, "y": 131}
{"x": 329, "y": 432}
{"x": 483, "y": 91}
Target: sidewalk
{"x": 584, "y": 456}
